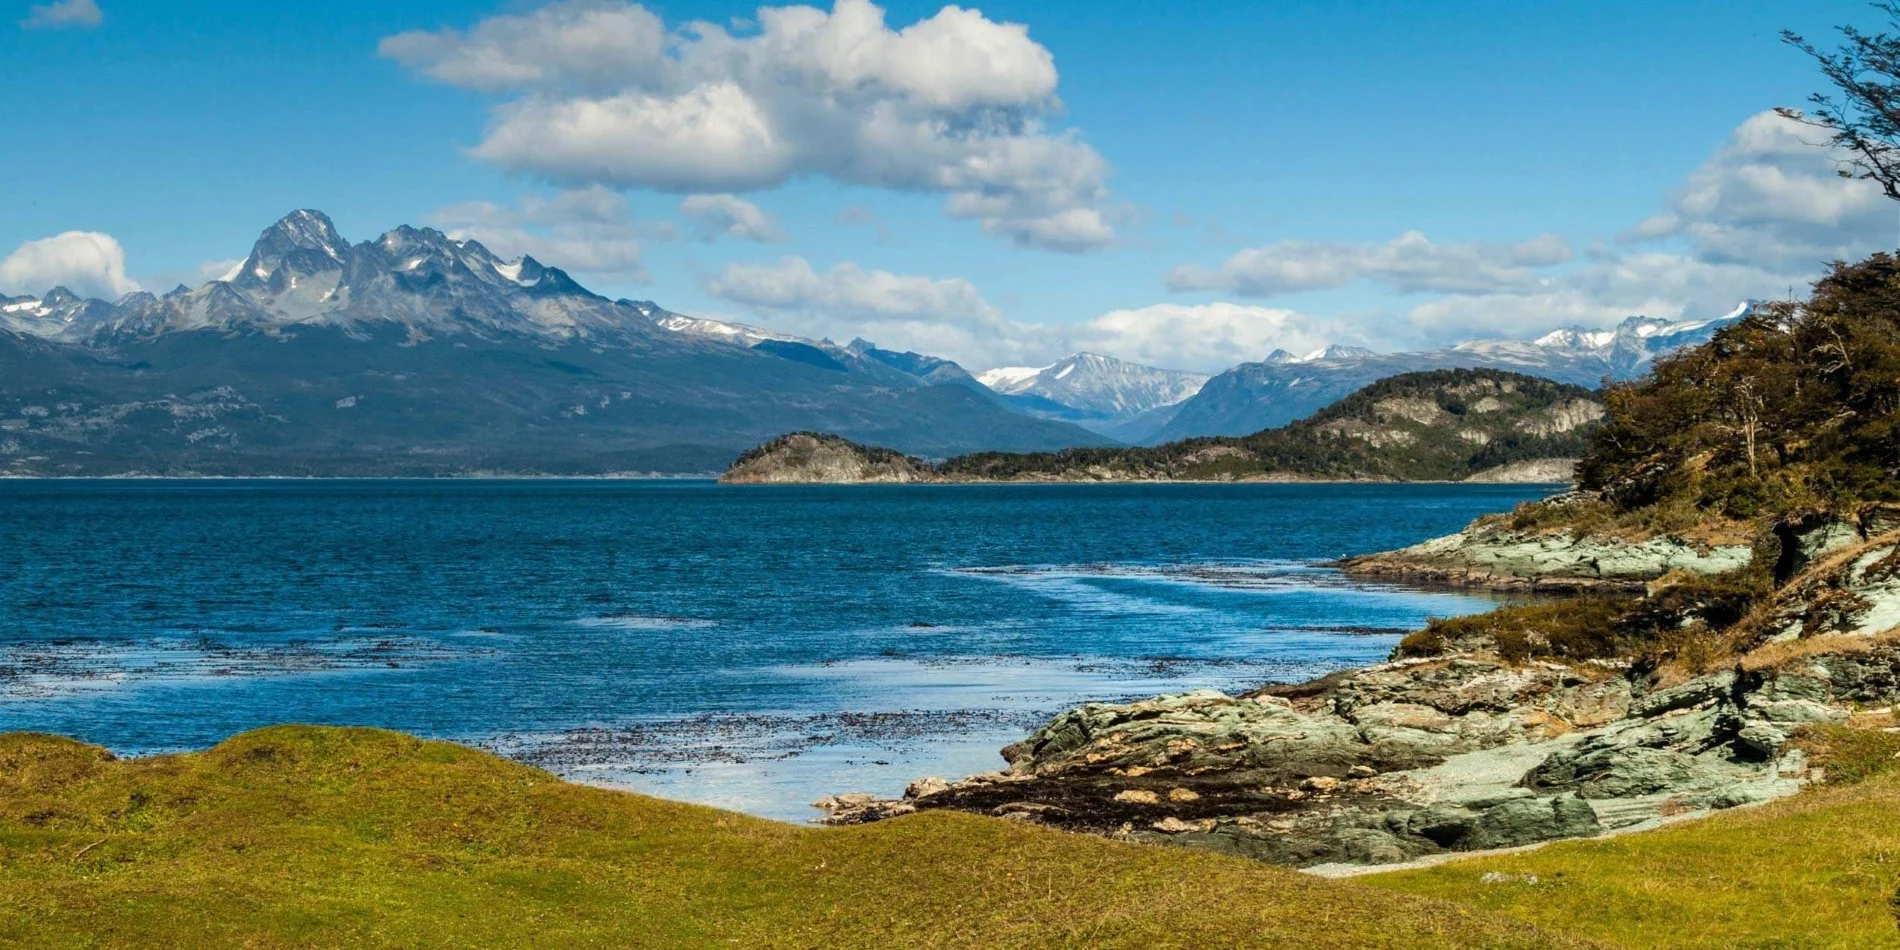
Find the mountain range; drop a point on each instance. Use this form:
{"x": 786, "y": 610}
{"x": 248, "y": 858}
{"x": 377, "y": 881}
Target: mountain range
{"x": 1283, "y": 388}
{"x": 420, "y": 354}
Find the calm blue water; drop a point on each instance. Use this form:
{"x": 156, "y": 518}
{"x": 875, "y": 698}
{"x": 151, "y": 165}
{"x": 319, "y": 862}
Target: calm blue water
{"x": 747, "y": 647}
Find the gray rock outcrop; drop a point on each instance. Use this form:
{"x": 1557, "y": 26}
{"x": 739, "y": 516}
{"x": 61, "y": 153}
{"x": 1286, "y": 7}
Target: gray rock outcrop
{"x": 1413, "y": 758}
{"x": 1488, "y": 554}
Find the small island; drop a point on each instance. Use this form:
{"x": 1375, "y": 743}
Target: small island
{"x": 816, "y": 458}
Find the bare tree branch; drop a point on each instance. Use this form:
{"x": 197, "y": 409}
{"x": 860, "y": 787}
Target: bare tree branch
{"x": 1863, "y": 118}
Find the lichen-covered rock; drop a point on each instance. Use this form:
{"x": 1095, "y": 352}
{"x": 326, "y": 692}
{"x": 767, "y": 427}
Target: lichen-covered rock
{"x": 1489, "y": 556}
{"x": 1418, "y": 757}
{"x": 1203, "y": 730}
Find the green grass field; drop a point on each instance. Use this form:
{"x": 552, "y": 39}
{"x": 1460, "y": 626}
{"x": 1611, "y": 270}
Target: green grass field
{"x": 300, "y": 836}
{"x": 297, "y": 836}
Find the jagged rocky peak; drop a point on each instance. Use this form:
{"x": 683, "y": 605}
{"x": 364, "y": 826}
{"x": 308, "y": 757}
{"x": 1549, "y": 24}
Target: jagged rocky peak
{"x": 1575, "y": 339}
{"x": 527, "y": 271}
{"x": 1280, "y": 356}
{"x": 412, "y": 249}
{"x": 301, "y": 243}
{"x": 59, "y": 297}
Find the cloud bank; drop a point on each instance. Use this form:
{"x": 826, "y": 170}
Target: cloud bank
{"x": 950, "y": 317}
{"x": 1409, "y": 264}
{"x": 1758, "y": 219}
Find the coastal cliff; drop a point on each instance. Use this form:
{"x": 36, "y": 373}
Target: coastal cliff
{"x": 1444, "y": 425}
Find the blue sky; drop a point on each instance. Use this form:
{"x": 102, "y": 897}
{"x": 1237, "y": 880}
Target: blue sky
{"x": 1189, "y": 184}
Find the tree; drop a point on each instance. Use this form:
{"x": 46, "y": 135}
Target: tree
{"x": 1863, "y": 119}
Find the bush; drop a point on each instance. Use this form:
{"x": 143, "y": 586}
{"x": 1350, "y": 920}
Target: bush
{"x": 1684, "y": 622}
{"x": 1582, "y": 629}
{"x": 1849, "y": 754}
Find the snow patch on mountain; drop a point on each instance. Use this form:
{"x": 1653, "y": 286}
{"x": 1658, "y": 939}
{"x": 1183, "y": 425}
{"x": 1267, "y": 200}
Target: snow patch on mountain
{"x": 1011, "y": 380}
{"x": 721, "y": 330}
{"x": 1097, "y": 385}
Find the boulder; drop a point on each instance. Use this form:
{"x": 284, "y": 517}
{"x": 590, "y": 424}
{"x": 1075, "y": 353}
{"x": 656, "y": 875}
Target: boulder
{"x": 1530, "y": 820}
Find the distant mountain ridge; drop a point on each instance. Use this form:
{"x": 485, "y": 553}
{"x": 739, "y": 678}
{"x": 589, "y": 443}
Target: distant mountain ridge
{"x": 1283, "y": 388}
{"x": 420, "y": 354}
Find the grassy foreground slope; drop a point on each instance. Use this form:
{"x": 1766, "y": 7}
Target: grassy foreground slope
{"x": 298, "y": 836}
{"x": 1816, "y": 870}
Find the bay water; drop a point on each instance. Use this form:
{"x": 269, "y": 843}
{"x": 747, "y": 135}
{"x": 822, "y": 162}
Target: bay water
{"x": 747, "y": 647}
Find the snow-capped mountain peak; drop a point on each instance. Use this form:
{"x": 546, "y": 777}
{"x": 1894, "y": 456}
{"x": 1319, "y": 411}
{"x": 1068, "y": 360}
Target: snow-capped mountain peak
{"x": 301, "y": 272}
{"x": 1632, "y": 344}
{"x": 1575, "y": 338}
{"x": 1100, "y": 385}
{"x": 1332, "y": 351}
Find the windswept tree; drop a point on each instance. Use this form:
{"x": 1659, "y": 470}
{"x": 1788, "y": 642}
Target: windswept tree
{"x": 1862, "y": 117}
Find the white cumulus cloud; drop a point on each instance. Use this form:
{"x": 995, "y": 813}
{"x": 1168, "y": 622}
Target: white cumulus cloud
{"x": 65, "y": 14}
{"x": 1601, "y": 293}
{"x": 586, "y": 45}
{"x": 88, "y": 263}
{"x": 1410, "y": 263}
{"x": 1771, "y": 198}
{"x": 955, "y": 104}
{"x": 730, "y": 216}
{"x": 585, "y": 231}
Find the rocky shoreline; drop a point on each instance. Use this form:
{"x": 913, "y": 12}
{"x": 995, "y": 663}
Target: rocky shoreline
{"x": 1467, "y": 750}
{"x": 1403, "y": 760}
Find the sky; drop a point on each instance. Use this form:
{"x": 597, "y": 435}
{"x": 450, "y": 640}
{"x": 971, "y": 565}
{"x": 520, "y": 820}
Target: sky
{"x": 1186, "y": 185}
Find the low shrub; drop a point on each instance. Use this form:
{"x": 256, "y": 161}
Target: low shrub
{"x": 1848, "y": 754}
